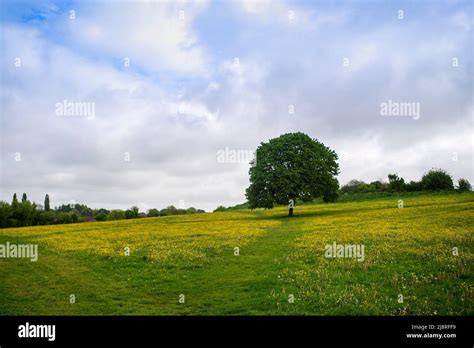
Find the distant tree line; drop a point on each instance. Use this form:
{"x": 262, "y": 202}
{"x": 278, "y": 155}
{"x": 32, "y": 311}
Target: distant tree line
{"x": 26, "y": 213}
{"x": 433, "y": 180}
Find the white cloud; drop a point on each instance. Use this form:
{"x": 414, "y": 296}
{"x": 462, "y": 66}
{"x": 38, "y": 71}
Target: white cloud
{"x": 462, "y": 20}
{"x": 286, "y": 13}
{"x": 156, "y": 36}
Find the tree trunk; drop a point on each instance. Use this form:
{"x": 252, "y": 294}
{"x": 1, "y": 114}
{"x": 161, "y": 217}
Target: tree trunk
{"x": 290, "y": 212}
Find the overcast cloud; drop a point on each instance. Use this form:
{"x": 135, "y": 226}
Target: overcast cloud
{"x": 172, "y": 83}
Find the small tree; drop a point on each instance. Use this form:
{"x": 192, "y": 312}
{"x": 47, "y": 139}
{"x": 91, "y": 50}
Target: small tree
{"x": 25, "y": 213}
{"x": 23, "y": 198}
{"x": 46, "y": 202}
{"x": 117, "y": 215}
{"x": 292, "y": 167}
{"x": 153, "y": 212}
{"x": 464, "y": 185}
{"x": 414, "y": 186}
{"x": 352, "y": 186}
{"x": 100, "y": 216}
{"x": 379, "y": 186}
{"x": 170, "y": 210}
{"x": 14, "y": 220}
{"x": 132, "y": 213}
{"x": 191, "y": 210}
{"x": 437, "y": 179}
{"x": 5, "y": 212}
{"x": 395, "y": 183}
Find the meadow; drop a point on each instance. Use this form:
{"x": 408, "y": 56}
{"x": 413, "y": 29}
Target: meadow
{"x": 418, "y": 261}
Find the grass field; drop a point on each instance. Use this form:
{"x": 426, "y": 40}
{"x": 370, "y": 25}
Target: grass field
{"x": 408, "y": 252}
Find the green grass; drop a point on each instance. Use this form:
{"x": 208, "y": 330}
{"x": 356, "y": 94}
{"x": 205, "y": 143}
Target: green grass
{"x": 407, "y": 251}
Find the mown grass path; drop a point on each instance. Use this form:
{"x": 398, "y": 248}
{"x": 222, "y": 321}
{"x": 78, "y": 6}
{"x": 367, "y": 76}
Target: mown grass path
{"x": 244, "y": 284}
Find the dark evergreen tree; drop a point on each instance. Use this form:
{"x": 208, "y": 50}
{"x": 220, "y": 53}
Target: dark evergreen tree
{"x": 15, "y": 200}
{"x": 46, "y": 202}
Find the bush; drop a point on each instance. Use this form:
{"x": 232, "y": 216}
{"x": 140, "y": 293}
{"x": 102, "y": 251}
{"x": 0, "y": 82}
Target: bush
{"x": 330, "y": 196}
{"x": 367, "y": 188}
{"x": 116, "y": 215}
{"x": 191, "y": 210}
{"x": 414, "y": 186}
{"x": 153, "y": 213}
{"x": 379, "y": 186}
{"x": 74, "y": 218}
{"x": 63, "y": 218}
{"x": 357, "y": 186}
{"x": 437, "y": 179}
{"x": 132, "y": 213}
{"x": 44, "y": 218}
{"x": 395, "y": 183}
{"x": 352, "y": 186}
{"x": 464, "y": 185}
{"x": 5, "y": 212}
{"x": 13, "y": 223}
{"x": 170, "y": 210}
{"x": 101, "y": 216}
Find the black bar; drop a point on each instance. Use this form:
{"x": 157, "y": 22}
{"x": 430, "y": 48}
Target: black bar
{"x": 225, "y": 330}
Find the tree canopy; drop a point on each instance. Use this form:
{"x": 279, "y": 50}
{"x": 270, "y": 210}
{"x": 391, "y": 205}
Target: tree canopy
{"x": 437, "y": 179}
{"x": 292, "y": 166}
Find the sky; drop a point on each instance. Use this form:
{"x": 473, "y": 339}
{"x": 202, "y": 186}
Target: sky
{"x": 121, "y": 103}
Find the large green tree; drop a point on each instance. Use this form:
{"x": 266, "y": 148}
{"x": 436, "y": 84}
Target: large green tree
{"x": 290, "y": 167}
{"x": 437, "y": 179}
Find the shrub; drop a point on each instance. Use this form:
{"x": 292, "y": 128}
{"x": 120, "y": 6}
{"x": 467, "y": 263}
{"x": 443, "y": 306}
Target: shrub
{"x": 464, "y": 185}
{"x": 170, "y": 210}
{"x": 395, "y": 183}
{"x": 5, "y": 212}
{"x": 352, "y": 186}
{"x": 414, "y": 186}
{"x": 13, "y": 223}
{"x": 44, "y": 218}
{"x": 191, "y": 210}
{"x": 132, "y": 213}
{"x": 116, "y": 215}
{"x": 101, "y": 216}
{"x": 330, "y": 196}
{"x": 74, "y": 218}
{"x": 379, "y": 186}
{"x": 153, "y": 212}
{"x": 437, "y": 179}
